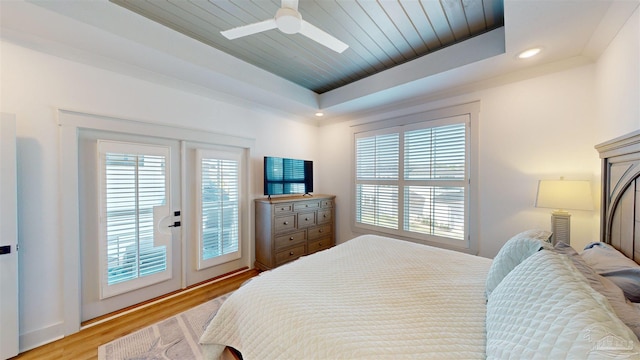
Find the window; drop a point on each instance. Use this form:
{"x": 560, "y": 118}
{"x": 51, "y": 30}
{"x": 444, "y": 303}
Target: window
{"x": 412, "y": 178}
{"x": 219, "y": 212}
{"x": 134, "y": 189}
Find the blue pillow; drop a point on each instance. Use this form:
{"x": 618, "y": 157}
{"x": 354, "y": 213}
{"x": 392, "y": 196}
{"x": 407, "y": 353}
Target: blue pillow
{"x": 614, "y": 265}
{"x": 626, "y": 311}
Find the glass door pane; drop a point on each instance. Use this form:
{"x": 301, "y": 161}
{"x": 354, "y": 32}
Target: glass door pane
{"x": 134, "y": 182}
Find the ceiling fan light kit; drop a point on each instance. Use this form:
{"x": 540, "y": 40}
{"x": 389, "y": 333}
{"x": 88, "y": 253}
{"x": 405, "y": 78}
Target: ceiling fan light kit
{"x": 289, "y": 21}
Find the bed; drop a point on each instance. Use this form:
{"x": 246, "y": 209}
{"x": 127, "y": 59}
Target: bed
{"x": 374, "y": 297}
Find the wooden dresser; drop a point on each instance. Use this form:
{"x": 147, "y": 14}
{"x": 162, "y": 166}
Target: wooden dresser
{"x": 293, "y": 226}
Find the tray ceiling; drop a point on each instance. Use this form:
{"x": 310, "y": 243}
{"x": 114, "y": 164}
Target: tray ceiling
{"x": 380, "y": 34}
{"x": 103, "y": 34}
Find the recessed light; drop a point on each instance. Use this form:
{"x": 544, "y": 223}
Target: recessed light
{"x": 529, "y": 53}
{"x": 319, "y": 114}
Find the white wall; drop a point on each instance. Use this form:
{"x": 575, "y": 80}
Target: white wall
{"x": 33, "y": 86}
{"x": 618, "y": 83}
{"x": 540, "y": 128}
{"x": 618, "y": 87}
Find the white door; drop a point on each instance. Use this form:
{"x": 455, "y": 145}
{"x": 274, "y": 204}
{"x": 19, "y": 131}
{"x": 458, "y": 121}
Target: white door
{"x": 8, "y": 239}
{"x": 130, "y": 203}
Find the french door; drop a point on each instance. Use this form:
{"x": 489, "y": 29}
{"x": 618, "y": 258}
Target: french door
{"x": 156, "y": 215}
{"x": 130, "y": 195}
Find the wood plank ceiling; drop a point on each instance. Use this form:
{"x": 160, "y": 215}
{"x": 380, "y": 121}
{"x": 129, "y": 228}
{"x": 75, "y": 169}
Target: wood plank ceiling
{"x": 381, "y": 34}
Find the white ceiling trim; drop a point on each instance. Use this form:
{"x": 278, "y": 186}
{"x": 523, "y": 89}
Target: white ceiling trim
{"x": 619, "y": 12}
{"x": 103, "y": 34}
{"x": 134, "y": 45}
{"x": 390, "y": 81}
{"x": 122, "y": 41}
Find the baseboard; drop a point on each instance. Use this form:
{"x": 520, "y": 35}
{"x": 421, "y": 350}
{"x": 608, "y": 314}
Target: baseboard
{"x": 33, "y": 339}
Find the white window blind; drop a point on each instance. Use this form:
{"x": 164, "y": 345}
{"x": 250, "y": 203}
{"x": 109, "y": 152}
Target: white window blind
{"x": 412, "y": 180}
{"x": 133, "y": 184}
{"x": 377, "y": 174}
{"x": 219, "y": 215}
{"x": 434, "y": 171}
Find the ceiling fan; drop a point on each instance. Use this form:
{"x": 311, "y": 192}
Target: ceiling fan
{"x": 289, "y": 21}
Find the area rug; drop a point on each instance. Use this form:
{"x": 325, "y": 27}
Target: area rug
{"x": 174, "y": 338}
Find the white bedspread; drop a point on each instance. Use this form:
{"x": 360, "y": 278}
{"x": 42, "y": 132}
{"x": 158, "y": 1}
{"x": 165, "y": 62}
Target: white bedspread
{"x": 369, "y": 298}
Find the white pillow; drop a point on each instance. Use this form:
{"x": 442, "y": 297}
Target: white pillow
{"x": 544, "y": 308}
{"x": 518, "y": 248}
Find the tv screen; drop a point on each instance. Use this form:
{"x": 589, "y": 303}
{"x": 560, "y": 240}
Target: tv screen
{"x": 287, "y": 176}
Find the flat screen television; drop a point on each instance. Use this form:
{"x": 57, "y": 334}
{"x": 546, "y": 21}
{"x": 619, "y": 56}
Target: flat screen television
{"x": 287, "y": 176}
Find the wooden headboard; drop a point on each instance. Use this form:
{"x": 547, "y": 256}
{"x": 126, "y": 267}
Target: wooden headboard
{"x": 620, "y": 211}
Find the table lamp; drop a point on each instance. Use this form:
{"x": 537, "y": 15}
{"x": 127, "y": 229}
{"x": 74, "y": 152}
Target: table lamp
{"x": 562, "y": 195}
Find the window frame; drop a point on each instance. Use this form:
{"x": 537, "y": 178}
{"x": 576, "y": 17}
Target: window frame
{"x": 405, "y": 123}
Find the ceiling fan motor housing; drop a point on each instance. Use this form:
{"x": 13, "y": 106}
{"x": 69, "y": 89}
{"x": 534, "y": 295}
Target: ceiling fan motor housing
{"x": 289, "y": 21}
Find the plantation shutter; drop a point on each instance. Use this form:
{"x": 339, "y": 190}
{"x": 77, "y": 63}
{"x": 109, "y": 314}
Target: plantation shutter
{"x": 434, "y": 171}
{"x": 134, "y": 188}
{"x": 377, "y": 175}
{"x": 219, "y": 207}
{"x": 411, "y": 180}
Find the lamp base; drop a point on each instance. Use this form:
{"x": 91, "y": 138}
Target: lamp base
{"x": 561, "y": 226}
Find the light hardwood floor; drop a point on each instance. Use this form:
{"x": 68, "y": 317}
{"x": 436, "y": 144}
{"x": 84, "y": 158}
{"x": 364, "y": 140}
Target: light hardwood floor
{"x": 84, "y": 344}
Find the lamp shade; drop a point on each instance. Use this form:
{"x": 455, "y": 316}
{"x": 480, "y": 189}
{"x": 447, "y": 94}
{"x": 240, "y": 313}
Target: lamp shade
{"x": 564, "y": 194}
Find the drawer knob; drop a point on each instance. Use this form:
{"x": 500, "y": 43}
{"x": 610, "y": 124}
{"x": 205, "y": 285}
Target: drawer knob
{"x": 291, "y": 238}
{"x": 320, "y": 230}
{"x": 286, "y": 223}
{"x": 324, "y": 216}
{"x": 306, "y": 219}
{"x": 290, "y": 253}
{"x": 319, "y": 244}
{"x": 306, "y": 206}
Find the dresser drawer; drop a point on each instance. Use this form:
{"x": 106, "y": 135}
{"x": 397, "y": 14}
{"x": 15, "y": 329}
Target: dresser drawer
{"x": 290, "y": 254}
{"x": 282, "y": 208}
{"x": 306, "y": 219}
{"x": 285, "y": 223}
{"x": 324, "y": 216}
{"x": 326, "y": 204}
{"x": 319, "y": 231}
{"x": 291, "y": 239}
{"x": 321, "y": 244}
{"x": 306, "y": 205}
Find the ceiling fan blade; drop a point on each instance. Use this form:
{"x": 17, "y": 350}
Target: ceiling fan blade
{"x": 250, "y": 29}
{"x": 322, "y": 37}
{"x": 291, "y": 4}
